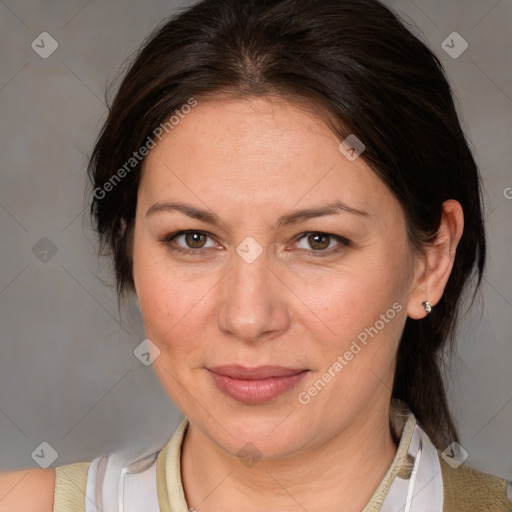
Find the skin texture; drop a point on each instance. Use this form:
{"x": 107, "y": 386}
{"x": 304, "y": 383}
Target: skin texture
{"x": 27, "y": 490}
{"x": 251, "y": 161}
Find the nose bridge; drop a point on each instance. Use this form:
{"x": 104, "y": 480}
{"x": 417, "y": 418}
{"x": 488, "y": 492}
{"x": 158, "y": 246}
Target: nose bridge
{"x": 253, "y": 302}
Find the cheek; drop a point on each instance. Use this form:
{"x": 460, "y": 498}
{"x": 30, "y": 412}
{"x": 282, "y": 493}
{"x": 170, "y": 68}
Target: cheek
{"x": 161, "y": 294}
{"x": 341, "y": 304}
{"x": 354, "y": 346}
{"x": 176, "y": 303}
{"x": 172, "y": 308}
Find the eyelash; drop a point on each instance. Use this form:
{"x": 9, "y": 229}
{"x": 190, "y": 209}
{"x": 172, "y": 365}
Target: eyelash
{"x": 166, "y": 241}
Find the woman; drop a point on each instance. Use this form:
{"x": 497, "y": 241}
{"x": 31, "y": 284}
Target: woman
{"x": 286, "y": 187}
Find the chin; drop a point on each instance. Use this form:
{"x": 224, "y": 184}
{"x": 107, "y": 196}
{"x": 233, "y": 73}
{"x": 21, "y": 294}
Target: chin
{"x": 251, "y": 446}
{"x": 272, "y": 434}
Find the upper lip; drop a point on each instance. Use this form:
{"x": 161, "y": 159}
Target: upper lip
{"x": 260, "y": 372}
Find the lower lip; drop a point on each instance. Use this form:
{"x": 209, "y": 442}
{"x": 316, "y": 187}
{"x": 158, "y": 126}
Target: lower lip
{"x": 256, "y": 391}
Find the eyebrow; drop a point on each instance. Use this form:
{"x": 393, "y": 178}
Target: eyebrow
{"x": 290, "y": 218}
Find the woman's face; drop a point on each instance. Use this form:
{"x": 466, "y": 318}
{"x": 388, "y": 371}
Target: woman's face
{"x": 323, "y": 296}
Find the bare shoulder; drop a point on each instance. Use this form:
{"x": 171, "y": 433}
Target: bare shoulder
{"x": 27, "y": 490}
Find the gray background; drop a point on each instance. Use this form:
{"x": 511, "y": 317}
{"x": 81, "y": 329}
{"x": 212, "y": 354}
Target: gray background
{"x": 68, "y": 375}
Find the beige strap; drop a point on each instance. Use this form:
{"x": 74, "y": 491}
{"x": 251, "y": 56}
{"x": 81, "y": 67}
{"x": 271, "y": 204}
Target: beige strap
{"x": 70, "y": 486}
{"x": 161, "y": 480}
{"x": 171, "y": 495}
{"x": 466, "y": 488}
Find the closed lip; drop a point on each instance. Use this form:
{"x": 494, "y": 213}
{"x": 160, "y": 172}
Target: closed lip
{"x": 257, "y": 373}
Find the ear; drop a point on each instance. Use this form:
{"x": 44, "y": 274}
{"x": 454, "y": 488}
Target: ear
{"x": 434, "y": 269}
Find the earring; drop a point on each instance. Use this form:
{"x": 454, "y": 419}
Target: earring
{"x": 427, "y": 306}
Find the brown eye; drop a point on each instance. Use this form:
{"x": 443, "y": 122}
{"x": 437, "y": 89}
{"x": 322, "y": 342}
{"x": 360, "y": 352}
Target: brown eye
{"x": 318, "y": 241}
{"x": 193, "y": 239}
{"x": 321, "y": 244}
{"x": 190, "y": 242}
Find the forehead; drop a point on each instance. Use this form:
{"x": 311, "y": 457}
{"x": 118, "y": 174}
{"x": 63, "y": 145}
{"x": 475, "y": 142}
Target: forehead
{"x": 256, "y": 153}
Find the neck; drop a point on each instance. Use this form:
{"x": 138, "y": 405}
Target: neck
{"x": 339, "y": 474}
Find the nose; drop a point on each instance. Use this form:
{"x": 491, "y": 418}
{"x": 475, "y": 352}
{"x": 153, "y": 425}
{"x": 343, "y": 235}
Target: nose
{"x": 255, "y": 303}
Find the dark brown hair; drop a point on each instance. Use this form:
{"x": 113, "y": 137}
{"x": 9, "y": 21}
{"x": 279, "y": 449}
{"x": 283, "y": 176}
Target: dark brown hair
{"x": 358, "y": 63}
